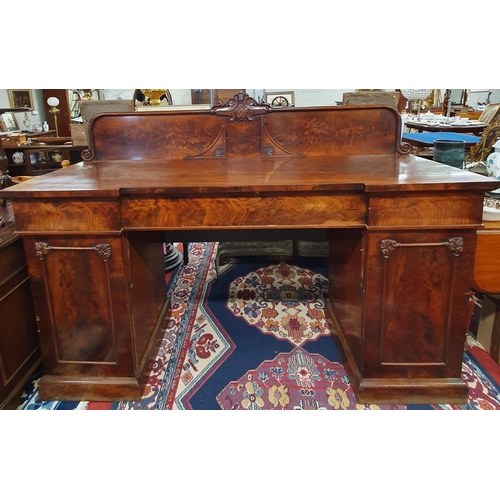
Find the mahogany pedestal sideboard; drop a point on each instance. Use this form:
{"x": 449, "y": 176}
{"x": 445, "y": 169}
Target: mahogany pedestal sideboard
{"x": 401, "y": 233}
{"x": 19, "y": 345}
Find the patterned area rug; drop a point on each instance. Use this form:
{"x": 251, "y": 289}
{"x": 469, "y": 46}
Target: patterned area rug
{"x": 256, "y": 338}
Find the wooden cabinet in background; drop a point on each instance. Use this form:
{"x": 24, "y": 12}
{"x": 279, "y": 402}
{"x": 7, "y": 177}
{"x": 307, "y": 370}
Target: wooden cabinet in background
{"x": 41, "y": 159}
{"x": 64, "y": 116}
{"x": 212, "y": 96}
{"x": 19, "y": 344}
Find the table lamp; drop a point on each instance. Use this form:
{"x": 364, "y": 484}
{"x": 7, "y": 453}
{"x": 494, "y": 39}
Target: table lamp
{"x": 53, "y": 102}
{"x": 416, "y": 95}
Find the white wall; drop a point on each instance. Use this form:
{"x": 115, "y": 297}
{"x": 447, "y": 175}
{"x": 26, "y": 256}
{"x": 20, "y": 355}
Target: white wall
{"x": 179, "y": 97}
{"x": 303, "y": 98}
{"x": 37, "y": 116}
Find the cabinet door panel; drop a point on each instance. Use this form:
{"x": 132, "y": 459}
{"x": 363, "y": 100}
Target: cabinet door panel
{"x": 422, "y": 280}
{"x": 80, "y": 287}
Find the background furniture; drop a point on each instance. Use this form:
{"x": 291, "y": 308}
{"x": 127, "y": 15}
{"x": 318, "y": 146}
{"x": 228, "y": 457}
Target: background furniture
{"x": 41, "y": 159}
{"x": 367, "y": 98}
{"x": 426, "y": 140}
{"x": 488, "y": 332}
{"x": 471, "y": 115}
{"x": 212, "y": 96}
{"x": 64, "y": 106}
{"x": 89, "y": 109}
{"x": 480, "y": 151}
{"x": 490, "y": 114}
{"x": 487, "y": 281}
{"x": 278, "y": 249}
{"x": 440, "y": 127}
{"x": 19, "y": 344}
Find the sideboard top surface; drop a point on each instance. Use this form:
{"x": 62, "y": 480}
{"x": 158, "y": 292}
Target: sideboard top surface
{"x": 245, "y": 146}
{"x": 345, "y": 173}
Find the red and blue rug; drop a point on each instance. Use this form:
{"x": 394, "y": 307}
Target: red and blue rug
{"x": 256, "y": 338}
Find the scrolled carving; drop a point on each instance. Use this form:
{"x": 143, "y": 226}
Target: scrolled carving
{"x": 87, "y": 155}
{"x": 403, "y": 148}
{"x": 387, "y": 246}
{"x": 241, "y": 107}
{"x": 455, "y": 245}
{"x": 42, "y": 249}
{"x": 103, "y": 250}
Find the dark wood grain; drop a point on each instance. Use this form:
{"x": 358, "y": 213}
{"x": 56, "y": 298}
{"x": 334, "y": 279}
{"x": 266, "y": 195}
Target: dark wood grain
{"x": 19, "y": 344}
{"x": 402, "y": 234}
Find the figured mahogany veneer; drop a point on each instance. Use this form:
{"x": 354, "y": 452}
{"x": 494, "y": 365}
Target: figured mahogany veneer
{"x": 487, "y": 265}
{"x": 402, "y": 234}
{"x": 19, "y": 345}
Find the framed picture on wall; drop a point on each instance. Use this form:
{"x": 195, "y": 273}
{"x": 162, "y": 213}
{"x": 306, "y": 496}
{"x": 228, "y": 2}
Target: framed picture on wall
{"x": 490, "y": 114}
{"x": 21, "y": 99}
{"x": 8, "y": 122}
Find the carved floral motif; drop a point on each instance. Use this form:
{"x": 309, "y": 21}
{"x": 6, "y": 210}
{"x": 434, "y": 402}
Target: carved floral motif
{"x": 42, "y": 249}
{"x": 241, "y": 107}
{"x": 103, "y": 250}
{"x": 454, "y": 245}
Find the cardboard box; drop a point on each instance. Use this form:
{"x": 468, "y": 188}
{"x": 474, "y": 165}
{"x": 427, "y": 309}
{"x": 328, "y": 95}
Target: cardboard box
{"x": 78, "y": 135}
{"x": 488, "y": 332}
{"x": 18, "y": 137}
{"x": 88, "y": 109}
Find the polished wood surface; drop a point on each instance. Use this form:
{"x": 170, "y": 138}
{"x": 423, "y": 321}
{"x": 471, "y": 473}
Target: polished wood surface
{"x": 487, "y": 262}
{"x": 402, "y": 234}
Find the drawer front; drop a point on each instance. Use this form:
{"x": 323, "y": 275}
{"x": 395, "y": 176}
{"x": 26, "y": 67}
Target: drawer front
{"x": 424, "y": 210}
{"x": 295, "y": 211}
{"x": 63, "y": 215}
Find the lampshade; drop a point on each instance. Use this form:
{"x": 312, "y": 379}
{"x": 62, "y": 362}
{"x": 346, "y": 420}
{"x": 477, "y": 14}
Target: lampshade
{"x": 416, "y": 94}
{"x": 52, "y": 101}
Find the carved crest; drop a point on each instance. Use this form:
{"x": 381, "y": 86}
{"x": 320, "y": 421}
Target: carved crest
{"x": 241, "y": 108}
